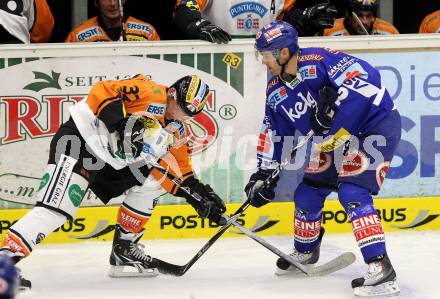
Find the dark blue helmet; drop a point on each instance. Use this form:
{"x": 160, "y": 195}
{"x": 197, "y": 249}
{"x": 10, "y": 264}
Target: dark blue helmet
{"x": 8, "y": 277}
{"x": 275, "y": 36}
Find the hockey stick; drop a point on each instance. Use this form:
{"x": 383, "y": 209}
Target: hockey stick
{"x": 179, "y": 270}
{"x": 123, "y": 36}
{"x": 286, "y": 162}
{"x": 338, "y": 263}
{"x": 360, "y": 23}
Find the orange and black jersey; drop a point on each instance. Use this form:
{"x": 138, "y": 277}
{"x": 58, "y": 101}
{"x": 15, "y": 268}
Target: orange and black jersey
{"x": 94, "y": 30}
{"x": 112, "y": 101}
{"x": 380, "y": 27}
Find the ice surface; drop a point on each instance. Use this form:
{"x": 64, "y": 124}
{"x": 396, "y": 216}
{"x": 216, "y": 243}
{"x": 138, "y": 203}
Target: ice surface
{"x": 232, "y": 268}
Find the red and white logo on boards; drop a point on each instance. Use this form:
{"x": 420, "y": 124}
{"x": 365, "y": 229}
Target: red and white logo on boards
{"x": 23, "y": 119}
{"x": 203, "y": 127}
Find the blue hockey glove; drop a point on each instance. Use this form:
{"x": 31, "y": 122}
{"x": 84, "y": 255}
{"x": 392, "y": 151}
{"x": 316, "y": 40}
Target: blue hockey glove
{"x": 323, "y": 115}
{"x": 258, "y": 193}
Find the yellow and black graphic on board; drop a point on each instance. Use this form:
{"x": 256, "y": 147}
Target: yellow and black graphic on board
{"x": 181, "y": 221}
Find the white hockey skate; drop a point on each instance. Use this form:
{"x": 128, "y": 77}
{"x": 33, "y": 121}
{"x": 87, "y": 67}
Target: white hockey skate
{"x": 307, "y": 258}
{"x": 380, "y": 280}
{"x": 128, "y": 258}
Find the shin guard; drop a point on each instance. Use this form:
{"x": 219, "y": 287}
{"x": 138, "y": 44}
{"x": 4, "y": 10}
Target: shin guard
{"x": 308, "y": 216}
{"x": 366, "y": 224}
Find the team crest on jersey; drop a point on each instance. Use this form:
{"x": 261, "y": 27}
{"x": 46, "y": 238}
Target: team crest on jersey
{"x": 248, "y": 23}
{"x": 308, "y": 72}
{"x": 276, "y": 97}
{"x": 246, "y": 8}
{"x": 156, "y": 109}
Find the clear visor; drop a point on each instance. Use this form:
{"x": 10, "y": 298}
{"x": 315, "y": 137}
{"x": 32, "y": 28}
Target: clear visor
{"x": 265, "y": 56}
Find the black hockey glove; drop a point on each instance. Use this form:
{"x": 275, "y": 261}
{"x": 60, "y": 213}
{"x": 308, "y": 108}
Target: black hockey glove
{"x": 131, "y": 142}
{"x": 313, "y": 19}
{"x": 208, "y": 204}
{"x": 258, "y": 193}
{"x": 323, "y": 115}
{"x": 205, "y": 30}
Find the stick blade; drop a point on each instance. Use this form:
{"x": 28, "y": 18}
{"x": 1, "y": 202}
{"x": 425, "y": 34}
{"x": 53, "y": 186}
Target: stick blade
{"x": 340, "y": 262}
{"x": 170, "y": 269}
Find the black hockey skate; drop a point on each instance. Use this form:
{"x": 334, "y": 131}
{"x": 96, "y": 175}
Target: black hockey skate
{"x": 306, "y": 258}
{"x": 128, "y": 258}
{"x": 25, "y": 284}
{"x": 380, "y": 280}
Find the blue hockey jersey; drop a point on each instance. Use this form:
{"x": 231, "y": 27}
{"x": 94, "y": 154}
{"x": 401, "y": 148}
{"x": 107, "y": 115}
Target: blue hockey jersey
{"x": 362, "y": 103}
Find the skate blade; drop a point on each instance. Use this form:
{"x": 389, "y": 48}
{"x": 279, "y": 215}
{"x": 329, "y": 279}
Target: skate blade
{"x": 389, "y": 288}
{"x": 129, "y": 271}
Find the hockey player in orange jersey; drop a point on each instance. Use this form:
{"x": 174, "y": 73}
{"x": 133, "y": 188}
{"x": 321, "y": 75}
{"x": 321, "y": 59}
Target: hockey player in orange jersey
{"x": 108, "y": 145}
{"x": 431, "y": 23}
{"x": 361, "y": 19}
{"x": 112, "y": 25}
{"x": 217, "y": 20}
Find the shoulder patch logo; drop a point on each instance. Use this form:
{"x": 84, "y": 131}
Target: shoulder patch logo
{"x": 276, "y": 97}
{"x": 156, "y": 109}
{"x": 89, "y": 33}
{"x": 308, "y": 72}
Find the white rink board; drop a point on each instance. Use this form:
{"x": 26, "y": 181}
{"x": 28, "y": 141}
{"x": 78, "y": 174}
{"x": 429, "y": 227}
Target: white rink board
{"x": 232, "y": 268}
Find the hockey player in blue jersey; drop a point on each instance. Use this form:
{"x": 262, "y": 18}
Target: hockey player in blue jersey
{"x": 341, "y": 98}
